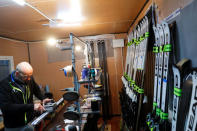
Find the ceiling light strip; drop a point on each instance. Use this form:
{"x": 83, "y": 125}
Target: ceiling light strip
{"x": 20, "y": 2}
{"x": 40, "y": 12}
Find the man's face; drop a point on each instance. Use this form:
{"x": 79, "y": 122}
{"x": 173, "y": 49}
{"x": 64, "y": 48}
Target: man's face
{"x": 25, "y": 77}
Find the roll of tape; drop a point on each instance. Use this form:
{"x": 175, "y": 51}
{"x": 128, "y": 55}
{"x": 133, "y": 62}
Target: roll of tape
{"x": 68, "y": 71}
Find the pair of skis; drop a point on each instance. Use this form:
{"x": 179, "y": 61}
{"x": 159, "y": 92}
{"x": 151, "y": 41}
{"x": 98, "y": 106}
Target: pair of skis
{"x": 127, "y": 96}
{"x": 138, "y": 55}
{"x": 162, "y": 49}
{"x": 140, "y": 72}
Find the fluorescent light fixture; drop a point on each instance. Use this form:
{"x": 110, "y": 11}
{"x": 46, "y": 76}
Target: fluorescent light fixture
{"x": 78, "y": 48}
{"x": 70, "y": 17}
{"x": 73, "y": 15}
{"x": 52, "y": 41}
{"x": 20, "y": 2}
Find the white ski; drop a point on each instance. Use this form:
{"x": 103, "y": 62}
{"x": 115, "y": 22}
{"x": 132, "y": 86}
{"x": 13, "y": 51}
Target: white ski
{"x": 192, "y": 118}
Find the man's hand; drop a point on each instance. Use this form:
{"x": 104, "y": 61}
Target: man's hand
{"x": 46, "y": 101}
{"x": 38, "y": 107}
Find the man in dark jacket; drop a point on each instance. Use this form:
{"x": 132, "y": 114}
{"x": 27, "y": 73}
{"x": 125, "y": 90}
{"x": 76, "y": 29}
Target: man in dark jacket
{"x": 16, "y": 98}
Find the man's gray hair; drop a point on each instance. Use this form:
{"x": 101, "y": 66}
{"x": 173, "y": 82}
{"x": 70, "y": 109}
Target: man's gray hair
{"x": 23, "y": 67}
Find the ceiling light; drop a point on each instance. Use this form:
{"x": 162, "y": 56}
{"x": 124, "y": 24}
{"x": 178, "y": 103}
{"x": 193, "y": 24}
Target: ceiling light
{"x": 78, "y": 48}
{"x": 73, "y": 15}
{"x": 52, "y": 41}
{"x": 20, "y": 2}
{"x": 70, "y": 17}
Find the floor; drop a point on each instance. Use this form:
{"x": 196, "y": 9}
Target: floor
{"x": 112, "y": 125}
{"x": 115, "y": 122}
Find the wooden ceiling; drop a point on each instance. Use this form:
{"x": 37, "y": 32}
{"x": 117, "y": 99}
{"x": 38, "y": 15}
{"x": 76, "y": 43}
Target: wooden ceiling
{"x": 100, "y": 17}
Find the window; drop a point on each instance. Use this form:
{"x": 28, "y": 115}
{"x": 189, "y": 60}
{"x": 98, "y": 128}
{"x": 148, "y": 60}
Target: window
{"x": 6, "y": 66}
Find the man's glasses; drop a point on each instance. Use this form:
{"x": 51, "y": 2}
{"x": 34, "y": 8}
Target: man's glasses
{"x": 24, "y": 75}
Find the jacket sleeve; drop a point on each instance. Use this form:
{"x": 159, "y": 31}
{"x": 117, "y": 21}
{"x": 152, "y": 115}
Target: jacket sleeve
{"x": 36, "y": 90}
{"x": 10, "y": 108}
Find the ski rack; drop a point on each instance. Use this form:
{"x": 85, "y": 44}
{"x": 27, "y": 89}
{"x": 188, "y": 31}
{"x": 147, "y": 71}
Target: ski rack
{"x": 141, "y": 66}
{"x": 131, "y": 73}
{"x": 133, "y": 78}
{"x": 76, "y": 82}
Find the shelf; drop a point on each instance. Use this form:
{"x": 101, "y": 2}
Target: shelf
{"x": 91, "y": 112}
{"x": 83, "y": 82}
{"x": 90, "y": 81}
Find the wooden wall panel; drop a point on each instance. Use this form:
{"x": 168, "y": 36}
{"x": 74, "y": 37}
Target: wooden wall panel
{"x": 49, "y": 73}
{"x": 119, "y": 61}
{"x": 16, "y": 49}
{"x": 123, "y": 50}
{"x": 112, "y": 85}
{"x": 115, "y": 70}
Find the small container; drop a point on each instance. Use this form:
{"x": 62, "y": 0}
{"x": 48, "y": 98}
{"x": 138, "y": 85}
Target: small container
{"x": 88, "y": 102}
{"x": 84, "y": 73}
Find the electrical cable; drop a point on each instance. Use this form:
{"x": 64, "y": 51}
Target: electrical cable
{"x": 11, "y": 39}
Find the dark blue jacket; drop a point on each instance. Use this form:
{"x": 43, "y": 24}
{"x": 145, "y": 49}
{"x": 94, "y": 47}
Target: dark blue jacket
{"x": 17, "y": 105}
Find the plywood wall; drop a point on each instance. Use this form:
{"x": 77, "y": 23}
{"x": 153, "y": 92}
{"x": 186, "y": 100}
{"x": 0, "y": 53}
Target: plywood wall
{"x": 48, "y": 73}
{"x": 16, "y": 49}
{"x": 119, "y": 62}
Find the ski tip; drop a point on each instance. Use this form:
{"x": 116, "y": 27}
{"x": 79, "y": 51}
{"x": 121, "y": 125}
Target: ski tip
{"x": 184, "y": 66}
{"x": 184, "y": 63}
